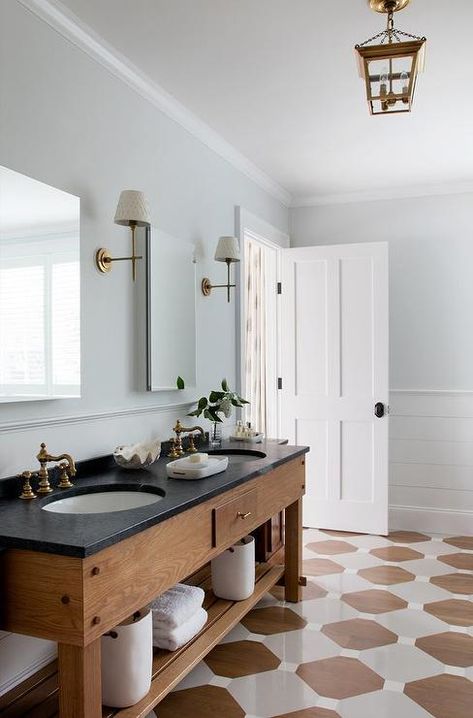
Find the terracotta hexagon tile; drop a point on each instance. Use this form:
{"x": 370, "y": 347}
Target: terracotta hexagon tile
{"x": 464, "y": 542}
{"x": 396, "y": 554}
{"x": 359, "y": 634}
{"x": 320, "y": 567}
{"x": 309, "y": 592}
{"x": 374, "y": 601}
{"x": 443, "y": 696}
{"x": 453, "y": 649}
{"x": 311, "y": 713}
{"x": 407, "y": 537}
{"x": 331, "y": 548}
{"x": 453, "y": 611}
{"x": 201, "y": 702}
{"x": 340, "y": 677}
{"x": 455, "y": 583}
{"x": 274, "y": 619}
{"x": 463, "y": 561}
{"x": 242, "y": 658}
{"x": 386, "y": 575}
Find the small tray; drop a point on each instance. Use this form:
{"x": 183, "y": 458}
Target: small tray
{"x": 250, "y": 439}
{"x": 183, "y": 469}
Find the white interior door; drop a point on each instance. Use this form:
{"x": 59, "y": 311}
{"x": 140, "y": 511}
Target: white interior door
{"x": 334, "y": 358}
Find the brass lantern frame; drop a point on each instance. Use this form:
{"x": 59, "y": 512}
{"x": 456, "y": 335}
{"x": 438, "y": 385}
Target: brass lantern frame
{"x": 414, "y": 49}
{"x": 391, "y": 45}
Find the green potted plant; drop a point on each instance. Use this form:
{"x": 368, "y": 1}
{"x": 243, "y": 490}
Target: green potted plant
{"x": 216, "y": 404}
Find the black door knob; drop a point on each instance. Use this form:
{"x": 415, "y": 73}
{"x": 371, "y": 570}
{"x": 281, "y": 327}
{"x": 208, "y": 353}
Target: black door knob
{"x": 379, "y": 409}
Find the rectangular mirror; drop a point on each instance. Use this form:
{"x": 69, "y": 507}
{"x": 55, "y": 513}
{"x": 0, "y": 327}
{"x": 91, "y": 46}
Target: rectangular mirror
{"x": 170, "y": 310}
{"x": 39, "y": 290}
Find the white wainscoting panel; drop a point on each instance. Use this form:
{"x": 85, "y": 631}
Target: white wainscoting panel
{"x": 431, "y": 461}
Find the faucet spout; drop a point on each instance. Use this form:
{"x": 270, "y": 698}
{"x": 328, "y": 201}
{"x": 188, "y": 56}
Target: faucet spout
{"x": 44, "y": 458}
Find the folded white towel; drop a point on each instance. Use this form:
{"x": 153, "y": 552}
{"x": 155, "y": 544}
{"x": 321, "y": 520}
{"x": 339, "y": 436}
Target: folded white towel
{"x": 177, "y": 605}
{"x": 173, "y": 638}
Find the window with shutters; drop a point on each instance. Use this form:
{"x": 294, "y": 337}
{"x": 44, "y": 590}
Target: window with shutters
{"x": 39, "y": 317}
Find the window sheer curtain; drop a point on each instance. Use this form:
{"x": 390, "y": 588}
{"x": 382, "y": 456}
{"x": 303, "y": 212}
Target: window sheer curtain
{"x": 255, "y": 335}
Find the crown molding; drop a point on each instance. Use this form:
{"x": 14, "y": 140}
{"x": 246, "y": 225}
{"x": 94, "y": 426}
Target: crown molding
{"x": 63, "y": 21}
{"x": 433, "y": 190}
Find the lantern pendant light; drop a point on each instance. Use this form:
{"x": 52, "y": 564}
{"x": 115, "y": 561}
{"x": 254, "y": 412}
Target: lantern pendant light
{"x": 390, "y": 62}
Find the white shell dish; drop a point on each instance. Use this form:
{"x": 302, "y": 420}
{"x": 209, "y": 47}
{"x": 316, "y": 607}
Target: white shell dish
{"x": 137, "y": 456}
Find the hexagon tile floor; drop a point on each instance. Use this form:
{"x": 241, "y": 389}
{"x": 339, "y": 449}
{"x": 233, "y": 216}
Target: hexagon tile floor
{"x": 385, "y": 630}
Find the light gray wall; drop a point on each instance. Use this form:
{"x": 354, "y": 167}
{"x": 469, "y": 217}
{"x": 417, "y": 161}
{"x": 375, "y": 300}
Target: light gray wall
{"x": 431, "y": 288}
{"x": 431, "y": 353}
{"x": 67, "y": 122}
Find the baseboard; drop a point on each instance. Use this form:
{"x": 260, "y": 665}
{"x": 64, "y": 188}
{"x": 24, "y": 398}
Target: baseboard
{"x": 36, "y": 665}
{"x": 436, "y": 521}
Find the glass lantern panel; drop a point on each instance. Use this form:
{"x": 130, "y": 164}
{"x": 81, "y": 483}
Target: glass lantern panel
{"x": 390, "y": 83}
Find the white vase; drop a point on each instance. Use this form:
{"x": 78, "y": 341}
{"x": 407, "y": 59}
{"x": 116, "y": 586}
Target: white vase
{"x": 233, "y": 572}
{"x": 127, "y": 659}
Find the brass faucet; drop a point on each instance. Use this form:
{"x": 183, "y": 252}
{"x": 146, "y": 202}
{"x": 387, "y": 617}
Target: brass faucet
{"x": 177, "y": 449}
{"x": 68, "y": 470}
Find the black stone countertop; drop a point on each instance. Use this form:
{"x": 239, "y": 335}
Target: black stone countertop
{"x": 23, "y": 524}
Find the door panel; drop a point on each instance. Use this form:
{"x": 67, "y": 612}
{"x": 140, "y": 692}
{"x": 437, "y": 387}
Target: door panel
{"x": 334, "y": 356}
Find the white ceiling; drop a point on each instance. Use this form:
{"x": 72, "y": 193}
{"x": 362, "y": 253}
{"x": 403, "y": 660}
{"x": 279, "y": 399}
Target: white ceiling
{"x": 277, "y": 79}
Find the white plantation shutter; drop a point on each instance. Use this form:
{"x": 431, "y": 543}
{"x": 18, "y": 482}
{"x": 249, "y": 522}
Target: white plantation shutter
{"x": 65, "y": 324}
{"x": 40, "y": 324}
{"x": 22, "y": 349}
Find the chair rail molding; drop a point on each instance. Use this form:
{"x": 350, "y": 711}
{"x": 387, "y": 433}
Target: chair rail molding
{"x": 67, "y": 24}
{"x": 33, "y": 424}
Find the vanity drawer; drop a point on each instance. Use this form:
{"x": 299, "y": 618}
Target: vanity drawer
{"x": 229, "y": 519}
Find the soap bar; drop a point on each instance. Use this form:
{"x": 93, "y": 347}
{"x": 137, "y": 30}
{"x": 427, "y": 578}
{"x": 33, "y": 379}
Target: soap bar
{"x": 198, "y": 458}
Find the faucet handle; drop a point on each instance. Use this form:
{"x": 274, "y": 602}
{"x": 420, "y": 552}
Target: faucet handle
{"x": 64, "y": 480}
{"x": 27, "y": 492}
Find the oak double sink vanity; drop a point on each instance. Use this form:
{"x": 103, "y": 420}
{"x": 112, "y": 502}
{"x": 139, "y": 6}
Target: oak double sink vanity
{"x": 71, "y": 577}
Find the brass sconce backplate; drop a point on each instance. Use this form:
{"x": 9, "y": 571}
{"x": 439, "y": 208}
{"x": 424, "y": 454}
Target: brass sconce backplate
{"x": 103, "y": 259}
{"x": 206, "y": 287}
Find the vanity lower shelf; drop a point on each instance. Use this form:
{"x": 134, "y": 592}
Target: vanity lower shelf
{"x": 37, "y": 697}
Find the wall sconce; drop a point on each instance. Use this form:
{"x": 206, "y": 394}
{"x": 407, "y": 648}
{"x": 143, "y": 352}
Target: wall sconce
{"x": 132, "y": 211}
{"x": 227, "y": 251}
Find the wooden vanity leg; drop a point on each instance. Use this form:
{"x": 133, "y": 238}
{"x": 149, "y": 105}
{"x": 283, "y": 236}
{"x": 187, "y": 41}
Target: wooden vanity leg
{"x": 293, "y": 552}
{"x": 80, "y": 681}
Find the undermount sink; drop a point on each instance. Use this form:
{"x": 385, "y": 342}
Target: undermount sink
{"x": 238, "y": 455}
{"x": 104, "y": 501}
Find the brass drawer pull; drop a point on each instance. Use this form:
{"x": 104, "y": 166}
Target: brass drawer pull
{"x": 242, "y": 515}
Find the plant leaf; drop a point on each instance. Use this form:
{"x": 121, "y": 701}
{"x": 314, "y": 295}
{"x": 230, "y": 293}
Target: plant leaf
{"x": 180, "y": 383}
{"x": 215, "y": 396}
{"x": 243, "y": 401}
{"x": 225, "y": 385}
{"x": 202, "y": 403}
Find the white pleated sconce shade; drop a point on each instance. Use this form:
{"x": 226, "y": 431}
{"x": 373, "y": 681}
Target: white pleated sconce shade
{"x": 227, "y": 250}
{"x": 132, "y": 208}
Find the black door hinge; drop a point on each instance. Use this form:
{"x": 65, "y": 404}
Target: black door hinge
{"x": 279, "y": 382}
{"x": 279, "y": 288}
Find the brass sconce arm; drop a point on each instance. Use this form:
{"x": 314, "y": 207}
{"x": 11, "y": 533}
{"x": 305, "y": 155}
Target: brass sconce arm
{"x": 104, "y": 259}
{"x": 207, "y": 286}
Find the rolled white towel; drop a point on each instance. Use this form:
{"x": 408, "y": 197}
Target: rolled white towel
{"x": 177, "y": 605}
{"x": 174, "y": 638}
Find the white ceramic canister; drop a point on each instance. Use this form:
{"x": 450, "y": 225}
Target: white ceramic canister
{"x": 127, "y": 659}
{"x": 233, "y": 572}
